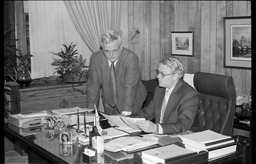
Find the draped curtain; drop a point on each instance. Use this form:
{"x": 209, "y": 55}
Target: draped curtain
{"x": 92, "y": 18}
{"x": 53, "y": 23}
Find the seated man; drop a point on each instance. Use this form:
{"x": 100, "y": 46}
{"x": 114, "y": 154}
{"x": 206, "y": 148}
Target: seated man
{"x": 175, "y": 102}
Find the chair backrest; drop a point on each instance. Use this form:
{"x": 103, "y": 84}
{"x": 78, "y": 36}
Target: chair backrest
{"x": 150, "y": 86}
{"x": 217, "y": 98}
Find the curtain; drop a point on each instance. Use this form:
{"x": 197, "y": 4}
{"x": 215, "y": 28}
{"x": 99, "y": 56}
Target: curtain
{"x": 50, "y": 26}
{"x": 92, "y": 18}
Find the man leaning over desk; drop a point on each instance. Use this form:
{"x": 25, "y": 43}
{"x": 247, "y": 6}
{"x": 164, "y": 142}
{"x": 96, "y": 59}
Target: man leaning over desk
{"x": 175, "y": 102}
{"x": 116, "y": 71}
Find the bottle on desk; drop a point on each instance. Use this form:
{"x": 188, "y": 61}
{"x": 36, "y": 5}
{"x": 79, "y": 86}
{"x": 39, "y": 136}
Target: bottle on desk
{"x": 96, "y": 140}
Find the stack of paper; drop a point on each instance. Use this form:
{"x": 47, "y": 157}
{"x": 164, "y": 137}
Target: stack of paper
{"x": 216, "y": 144}
{"x": 165, "y": 154}
{"x": 128, "y": 144}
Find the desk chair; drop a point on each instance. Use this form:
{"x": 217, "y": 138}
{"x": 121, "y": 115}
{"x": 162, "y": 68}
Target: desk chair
{"x": 217, "y": 99}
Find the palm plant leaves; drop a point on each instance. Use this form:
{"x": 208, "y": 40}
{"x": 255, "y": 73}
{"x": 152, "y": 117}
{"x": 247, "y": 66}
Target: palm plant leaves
{"x": 68, "y": 62}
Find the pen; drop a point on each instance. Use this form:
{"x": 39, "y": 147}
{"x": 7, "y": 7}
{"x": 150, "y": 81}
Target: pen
{"x": 84, "y": 125}
{"x": 78, "y": 127}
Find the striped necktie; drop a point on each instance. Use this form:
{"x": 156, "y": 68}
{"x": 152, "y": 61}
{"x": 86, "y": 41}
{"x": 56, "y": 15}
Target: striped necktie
{"x": 113, "y": 83}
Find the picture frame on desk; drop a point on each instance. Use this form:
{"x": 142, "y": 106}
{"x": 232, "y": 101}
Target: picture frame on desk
{"x": 237, "y": 42}
{"x": 65, "y": 138}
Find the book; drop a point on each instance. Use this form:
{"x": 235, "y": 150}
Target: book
{"x": 127, "y": 124}
{"x": 215, "y": 152}
{"x": 128, "y": 144}
{"x": 220, "y": 152}
{"x": 201, "y": 158}
{"x": 166, "y": 153}
{"x": 206, "y": 139}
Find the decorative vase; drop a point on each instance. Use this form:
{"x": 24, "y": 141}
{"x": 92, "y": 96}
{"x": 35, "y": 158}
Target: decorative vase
{"x": 24, "y": 78}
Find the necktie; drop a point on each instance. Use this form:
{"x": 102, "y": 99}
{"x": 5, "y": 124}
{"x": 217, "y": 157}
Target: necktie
{"x": 113, "y": 83}
{"x": 163, "y": 106}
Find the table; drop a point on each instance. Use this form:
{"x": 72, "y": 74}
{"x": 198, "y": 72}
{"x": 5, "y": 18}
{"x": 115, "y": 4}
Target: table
{"x": 41, "y": 150}
{"x": 239, "y": 116}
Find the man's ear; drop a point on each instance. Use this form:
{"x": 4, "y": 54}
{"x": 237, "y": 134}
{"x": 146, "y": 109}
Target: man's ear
{"x": 175, "y": 76}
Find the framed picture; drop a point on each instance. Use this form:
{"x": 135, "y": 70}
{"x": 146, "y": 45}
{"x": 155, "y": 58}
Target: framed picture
{"x": 65, "y": 138}
{"x": 182, "y": 43}
{"x": 238, "y": 42}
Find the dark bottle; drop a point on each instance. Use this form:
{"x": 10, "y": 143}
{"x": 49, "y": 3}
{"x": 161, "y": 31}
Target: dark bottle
{"x": 93, "y": 132}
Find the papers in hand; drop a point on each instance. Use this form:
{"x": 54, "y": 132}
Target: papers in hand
{"x": 128, "y": 143}
{"x": 127, "y": 124}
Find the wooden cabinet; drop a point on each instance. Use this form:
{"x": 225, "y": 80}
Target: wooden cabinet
{"x": 38, "y": 98}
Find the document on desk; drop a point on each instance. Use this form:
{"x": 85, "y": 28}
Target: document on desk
{"x": 126, "y": 124}
{"x": 128, "y": 144}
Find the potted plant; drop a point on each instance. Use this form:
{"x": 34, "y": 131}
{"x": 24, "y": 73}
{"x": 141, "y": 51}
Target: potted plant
{"x": 9, "y": 65}
{"x": 70, "y": 68}
{"x": 23, "y": 69}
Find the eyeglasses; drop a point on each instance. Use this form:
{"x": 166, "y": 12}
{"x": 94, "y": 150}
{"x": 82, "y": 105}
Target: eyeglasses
{"x": 110, "y": 53}
{"x": 162, "y": 75}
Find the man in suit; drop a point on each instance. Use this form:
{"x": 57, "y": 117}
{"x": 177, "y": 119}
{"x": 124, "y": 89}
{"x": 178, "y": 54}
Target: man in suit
{"x": 128, "y": 93}
{"x": 175, "y": 102}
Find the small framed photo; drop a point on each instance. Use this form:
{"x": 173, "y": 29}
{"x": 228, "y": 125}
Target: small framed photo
{"x": 238, "y": 42}
{"x": 182, "y": 43}
{"x": 65, "y": 138}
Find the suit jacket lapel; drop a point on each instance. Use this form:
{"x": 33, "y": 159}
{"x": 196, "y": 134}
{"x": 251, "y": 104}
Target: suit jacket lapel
{"x": 159, "y": 105}
{"x": 172, "y": 99}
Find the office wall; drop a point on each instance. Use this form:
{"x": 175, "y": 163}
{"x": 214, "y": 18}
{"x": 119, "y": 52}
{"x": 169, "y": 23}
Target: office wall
{"x": 155, "y": 21}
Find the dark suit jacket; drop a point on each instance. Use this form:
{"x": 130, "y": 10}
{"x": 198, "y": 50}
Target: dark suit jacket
{"x": 131, "y": 93}
{"x": 180, "y": 111}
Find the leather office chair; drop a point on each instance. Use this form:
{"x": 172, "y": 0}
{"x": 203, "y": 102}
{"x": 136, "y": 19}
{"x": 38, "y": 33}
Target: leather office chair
{"x": 150, "y": 86}
{"x": 217, "y": 99}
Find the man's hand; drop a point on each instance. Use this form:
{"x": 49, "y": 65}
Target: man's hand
{"x": 147, "y": 126}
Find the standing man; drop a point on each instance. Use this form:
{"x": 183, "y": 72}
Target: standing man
{"x": 116, "y": 71}
{"x": 175, "y": 102}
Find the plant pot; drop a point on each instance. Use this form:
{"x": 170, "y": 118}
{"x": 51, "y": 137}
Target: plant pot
{"x": 24, "y": 78}
{"x": 73, "y": 78}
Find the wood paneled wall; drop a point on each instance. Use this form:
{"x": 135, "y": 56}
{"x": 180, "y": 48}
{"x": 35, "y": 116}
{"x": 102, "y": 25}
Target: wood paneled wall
{"x": 157, "y": 19}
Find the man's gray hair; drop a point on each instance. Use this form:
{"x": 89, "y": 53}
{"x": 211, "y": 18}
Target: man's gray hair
{"x": 175, "y": 65}
{"x": 110, "y": 36}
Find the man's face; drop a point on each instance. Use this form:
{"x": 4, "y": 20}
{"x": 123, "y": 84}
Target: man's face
{"x": 166, "y": 78}
{"x": 112, "y": 50}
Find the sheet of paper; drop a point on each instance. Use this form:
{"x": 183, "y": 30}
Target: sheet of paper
{"x": 128, "y": 129}
{"x": 72, "y": 110}
{"x": 32, "y": 115}
{"x": 121, "y": 121}
{"x": 128, "y": 143}
{"x": 115, "y": 120}
{"x": 131, "y": 121}
{"x": 113, "y": 133}
{"x": 89, "y": 118}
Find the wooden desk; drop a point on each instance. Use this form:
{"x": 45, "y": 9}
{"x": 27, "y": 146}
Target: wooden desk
{"x": 41, "y": 150}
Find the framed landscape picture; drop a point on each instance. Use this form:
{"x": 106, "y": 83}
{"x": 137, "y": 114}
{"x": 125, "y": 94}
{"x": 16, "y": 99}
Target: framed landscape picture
{"x": 238, "y": 42}
{"x": 182, "y": 43}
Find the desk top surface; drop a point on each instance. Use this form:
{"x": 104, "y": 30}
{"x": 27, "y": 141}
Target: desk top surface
{"x": 70, "y": 153}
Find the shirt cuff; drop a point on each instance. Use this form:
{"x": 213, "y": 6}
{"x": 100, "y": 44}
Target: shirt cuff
{"x": 126, "y": 113}
{"x": 160, "y": 129}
